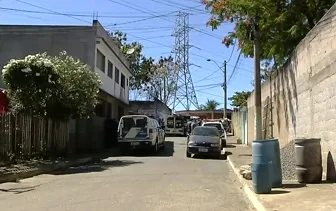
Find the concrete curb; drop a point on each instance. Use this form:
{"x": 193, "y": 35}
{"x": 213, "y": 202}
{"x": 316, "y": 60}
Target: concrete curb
{"x": 14, "y": 177}
{"x": 249, "y": 193}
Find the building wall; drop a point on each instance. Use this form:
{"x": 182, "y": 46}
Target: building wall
{"x": 20, "y": 41}
{"x": 237, "y": 124}
{"x": 79, "y": 41}
{"x": 303, "y": 93}
{"x": 113, "y": 54}
{"x": 151, "y": 108}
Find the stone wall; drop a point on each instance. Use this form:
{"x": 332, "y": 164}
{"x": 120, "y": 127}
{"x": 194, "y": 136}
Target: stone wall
{"x": 303, "y": 93}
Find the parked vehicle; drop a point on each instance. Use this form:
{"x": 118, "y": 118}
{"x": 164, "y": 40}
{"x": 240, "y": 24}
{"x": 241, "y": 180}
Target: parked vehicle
{"x": 220, "y": 129}
{"x": 3, "y": 102}
{"x": 140, "y": 132}
{"x": 176, "y": 125}
{"x": 204, "y": 140}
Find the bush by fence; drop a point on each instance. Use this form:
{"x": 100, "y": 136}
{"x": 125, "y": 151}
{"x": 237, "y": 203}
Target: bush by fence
{"x": 23, "y": 136}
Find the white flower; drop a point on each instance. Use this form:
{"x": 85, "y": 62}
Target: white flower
{"x": 39, "y": 90}
{"x": 4, "y": 71}
{"x": 47, "y": 63}
{"x": 50, "y": 81}
{"x": 26, "y": 70}
{"x": 37, "y": 74}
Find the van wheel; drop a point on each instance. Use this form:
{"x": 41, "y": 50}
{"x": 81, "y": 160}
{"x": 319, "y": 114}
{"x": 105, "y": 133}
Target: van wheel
{"x": 156, "y": 147}
{"x": 163, "y": 144}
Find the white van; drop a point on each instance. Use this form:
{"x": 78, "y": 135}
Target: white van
{"x": 140, "y": 132}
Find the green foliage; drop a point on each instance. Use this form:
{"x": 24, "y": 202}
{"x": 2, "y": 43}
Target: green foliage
{"x": 58, "y": 87}
{"x": 210, "y": 105}
{"x": 141, "y": 66}
{"x": 239, "y": 98}
{"x": 79, "y": 86}
{"x": 282, "y": 24}
{"x": 163, "y": 80}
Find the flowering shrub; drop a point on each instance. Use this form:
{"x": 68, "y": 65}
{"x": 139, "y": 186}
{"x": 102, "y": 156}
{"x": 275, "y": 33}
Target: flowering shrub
{"x": 54, "y": 86}
{"x": 31, "y": 83}
{"x": 80, "y": 85}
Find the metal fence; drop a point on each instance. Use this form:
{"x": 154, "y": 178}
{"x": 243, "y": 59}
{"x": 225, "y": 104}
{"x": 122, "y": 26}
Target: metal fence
{"x": 23, "y": 136}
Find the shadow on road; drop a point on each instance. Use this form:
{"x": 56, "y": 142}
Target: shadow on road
{"x": 97, "y": 166}
{"x": 228, "y": 153}
{"x": 167, "y": 152}
{"x": 230, "y": 146}
{"x": 223, "y": 156}
{"x": 19, "y": 190}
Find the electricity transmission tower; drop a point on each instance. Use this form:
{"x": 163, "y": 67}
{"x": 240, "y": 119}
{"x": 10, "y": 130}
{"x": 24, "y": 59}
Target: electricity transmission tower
{"x": 184, "y": 89}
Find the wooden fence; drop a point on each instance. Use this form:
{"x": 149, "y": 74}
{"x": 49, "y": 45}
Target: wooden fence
{"x": 23, "y": 136}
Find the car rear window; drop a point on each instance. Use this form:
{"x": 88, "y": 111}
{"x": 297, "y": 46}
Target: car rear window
{"x": 218, "y": 126}
{"x": 204, "y": 131}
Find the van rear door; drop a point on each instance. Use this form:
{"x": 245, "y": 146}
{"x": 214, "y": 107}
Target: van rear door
{"x": 134, "y": 127}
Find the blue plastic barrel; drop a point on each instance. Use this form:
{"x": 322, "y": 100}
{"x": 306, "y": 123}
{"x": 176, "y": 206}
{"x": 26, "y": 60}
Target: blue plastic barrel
{"x": 262, "y": 177}
{"x": 268, "y": 150}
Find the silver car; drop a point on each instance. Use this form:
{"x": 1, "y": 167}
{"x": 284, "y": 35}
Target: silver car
{"x": 204, "y": 140}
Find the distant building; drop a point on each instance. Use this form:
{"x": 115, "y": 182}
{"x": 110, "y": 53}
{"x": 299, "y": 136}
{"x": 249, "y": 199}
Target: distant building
{"x": 91, "y": 44}
{"x": 154, "y": 108}
{"x": 216, "y": 114}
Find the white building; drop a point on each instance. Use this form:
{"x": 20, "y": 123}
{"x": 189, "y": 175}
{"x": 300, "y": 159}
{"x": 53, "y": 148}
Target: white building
{"x": 90, "y": 44}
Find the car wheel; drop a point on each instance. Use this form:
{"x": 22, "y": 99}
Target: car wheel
{"x": 224, "y": 143}
{"x": 156, "y": 147}
{"x": 163, "y": 144}
{"x": 219, "y": 155}
{"x": 188, "y": 154}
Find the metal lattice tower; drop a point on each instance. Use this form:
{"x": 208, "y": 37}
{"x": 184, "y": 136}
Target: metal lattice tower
{"x": 184, "y": 89}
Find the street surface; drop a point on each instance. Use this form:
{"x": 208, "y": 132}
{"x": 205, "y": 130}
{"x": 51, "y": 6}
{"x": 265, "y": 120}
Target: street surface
{"x": 168, "y": 182}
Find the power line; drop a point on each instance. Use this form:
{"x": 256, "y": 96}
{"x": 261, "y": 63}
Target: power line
{"x": 33, "y": 5}
{"x": 150, "y": 12}
{"x": 84, "y": 14}
{"x": 235, "y": 67}
{"x": 178, "y": 6}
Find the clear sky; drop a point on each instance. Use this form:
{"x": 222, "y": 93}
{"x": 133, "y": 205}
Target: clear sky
{"x": 150, "y": 22}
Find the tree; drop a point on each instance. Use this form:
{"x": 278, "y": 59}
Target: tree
{"x": 141, "y": 66}
{"x": 239, "y": 98}
{"x": 265, "y": 72}
{"x": 163, "y": 80}
{"x": 58, "y": 87}
{"x": 210, "y": 105}
{"x": 282, "y": 24}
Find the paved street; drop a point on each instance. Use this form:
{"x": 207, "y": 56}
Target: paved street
{"x": 167, "y": 182}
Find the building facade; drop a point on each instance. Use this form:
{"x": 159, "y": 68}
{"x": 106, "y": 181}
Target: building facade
{"x": 154, "y": 108}
{"x": 216, "y": 114}
{"x": 91, "y": 44}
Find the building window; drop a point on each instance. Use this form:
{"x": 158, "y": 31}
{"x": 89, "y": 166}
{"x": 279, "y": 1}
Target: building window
{"x": 110, "y": 69}
{"x": 100, "y": 62}
{"x": 122, "y": 81}
{"x": 116, "y": 75}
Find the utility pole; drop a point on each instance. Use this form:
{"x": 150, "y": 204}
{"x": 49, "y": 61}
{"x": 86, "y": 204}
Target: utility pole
{"x": 257, "y": 83}
{"x": 225, "y": 91}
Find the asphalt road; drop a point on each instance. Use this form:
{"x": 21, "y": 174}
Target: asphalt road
{"x": 168, "y": 182}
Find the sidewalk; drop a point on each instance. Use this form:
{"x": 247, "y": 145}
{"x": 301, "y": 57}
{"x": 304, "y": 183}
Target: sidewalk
{"x": 14, "y": 173}
{"x": 293, "y": 196}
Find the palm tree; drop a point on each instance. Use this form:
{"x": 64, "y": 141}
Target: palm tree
{"x": 210, "y": 105}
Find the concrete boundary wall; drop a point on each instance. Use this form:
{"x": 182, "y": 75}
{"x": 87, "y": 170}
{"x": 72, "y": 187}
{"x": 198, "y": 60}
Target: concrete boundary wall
{"x": 303, "y": 93}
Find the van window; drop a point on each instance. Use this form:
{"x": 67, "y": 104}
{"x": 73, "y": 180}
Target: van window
{"x": 129, "y": 122}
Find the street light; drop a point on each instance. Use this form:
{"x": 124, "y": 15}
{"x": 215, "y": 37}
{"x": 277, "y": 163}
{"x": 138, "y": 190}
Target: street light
{"x": 224, "y": 85}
